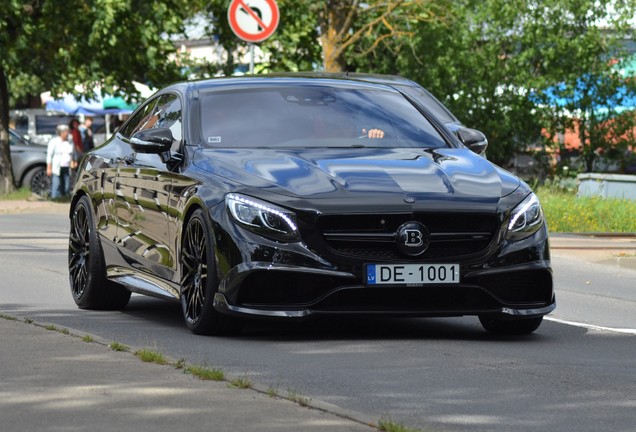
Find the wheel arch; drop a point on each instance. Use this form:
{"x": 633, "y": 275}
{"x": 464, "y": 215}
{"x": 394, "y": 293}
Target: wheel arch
{"x": 196, "y": 203}
{"x": 27, "y": 170}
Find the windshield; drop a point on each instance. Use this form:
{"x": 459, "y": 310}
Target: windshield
{"x": 313, "y": 116}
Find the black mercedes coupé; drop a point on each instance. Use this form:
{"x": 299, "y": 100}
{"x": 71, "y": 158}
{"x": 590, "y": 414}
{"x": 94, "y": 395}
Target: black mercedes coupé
{"x": 295, "y": 196}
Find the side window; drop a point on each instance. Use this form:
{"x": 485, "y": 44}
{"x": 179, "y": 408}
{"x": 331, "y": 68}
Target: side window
{"x": 140, "y": 120}
{"x": 168, "y": 113}
{"x": 163, "y": 112}
{"x": 13, "y": 140}
{"x": 20, "y": 124}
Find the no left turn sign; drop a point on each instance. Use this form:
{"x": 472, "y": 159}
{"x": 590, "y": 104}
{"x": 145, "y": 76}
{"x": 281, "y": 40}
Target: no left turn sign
{"x": 253, "y": 20}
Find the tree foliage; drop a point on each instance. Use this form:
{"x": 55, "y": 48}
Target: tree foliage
{"x": 491, "y": 62}
{"x": 107, "y": 44}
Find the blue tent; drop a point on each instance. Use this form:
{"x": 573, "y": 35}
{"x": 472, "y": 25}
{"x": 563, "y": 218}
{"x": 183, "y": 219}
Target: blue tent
{"x": 97, "y": 106}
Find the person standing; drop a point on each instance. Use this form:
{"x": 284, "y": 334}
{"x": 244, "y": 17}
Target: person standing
{"x": 88, "y": 142}
{"x": 59, "y": 158}
{"x": 76, "y": 138}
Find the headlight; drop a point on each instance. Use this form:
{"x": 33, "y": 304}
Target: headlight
{"x": 525, "y": 219}
{"x": 263, "y": 218}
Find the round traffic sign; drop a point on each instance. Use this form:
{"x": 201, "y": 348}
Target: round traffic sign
{"x": 253, "y": 20}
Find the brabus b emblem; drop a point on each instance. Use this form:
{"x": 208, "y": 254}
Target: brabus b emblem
{"x": 412, "y": 239}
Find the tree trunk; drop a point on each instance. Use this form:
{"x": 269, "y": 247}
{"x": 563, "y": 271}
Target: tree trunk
{"x": 6, "y": 171}
{"x": 335, "y": 22}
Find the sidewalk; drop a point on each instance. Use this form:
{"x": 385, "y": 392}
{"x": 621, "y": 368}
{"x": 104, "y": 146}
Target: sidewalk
{"x": 32, "y": 206}
{"x": 55, "y": 381}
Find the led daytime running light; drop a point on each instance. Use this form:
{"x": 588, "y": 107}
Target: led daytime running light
{"x": 263, "y": 208}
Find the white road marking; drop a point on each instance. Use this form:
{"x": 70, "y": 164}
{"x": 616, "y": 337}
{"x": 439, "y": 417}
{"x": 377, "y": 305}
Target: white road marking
{"x": 592, "y": 327}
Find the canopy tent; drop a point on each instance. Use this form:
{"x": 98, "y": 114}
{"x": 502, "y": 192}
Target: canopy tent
{"x": 96, "y": 106}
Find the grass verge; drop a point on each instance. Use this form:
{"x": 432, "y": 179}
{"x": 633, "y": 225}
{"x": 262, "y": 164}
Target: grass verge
{"x": 20, "y": 194}
{"x": 565, "y": 212}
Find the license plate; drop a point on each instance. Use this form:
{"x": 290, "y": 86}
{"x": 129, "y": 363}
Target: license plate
{"x": 412, "y": 274}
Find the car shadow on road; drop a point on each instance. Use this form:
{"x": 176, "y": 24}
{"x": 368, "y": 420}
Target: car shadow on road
{"x": 169, "y": 314}
{"x": 149, "y": 313}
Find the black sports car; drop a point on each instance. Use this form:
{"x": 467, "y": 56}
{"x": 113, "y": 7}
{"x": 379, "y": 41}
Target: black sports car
{"x": 298, "y": 196}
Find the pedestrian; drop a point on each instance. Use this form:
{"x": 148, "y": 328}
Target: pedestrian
{"x": 87, "y": 134}
{"x": 76, "y": 138}
{"x": 59, "y": 160}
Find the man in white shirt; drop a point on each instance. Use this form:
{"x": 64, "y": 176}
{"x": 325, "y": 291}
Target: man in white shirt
{"x": 59, "y": 157}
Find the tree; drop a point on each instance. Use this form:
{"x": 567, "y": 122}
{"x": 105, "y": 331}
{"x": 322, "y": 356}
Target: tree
{"x": 356, "y": 27}
{"x": 579, "y": 87}
{"x": 107, "y": 44}
{"x": 325, "y": 34}
{"x": 491, "y": 60}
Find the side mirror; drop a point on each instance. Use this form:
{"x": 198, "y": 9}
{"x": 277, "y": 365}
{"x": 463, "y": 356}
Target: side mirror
{"x": 156, "y": 141}
{"x": 473, "y": 139}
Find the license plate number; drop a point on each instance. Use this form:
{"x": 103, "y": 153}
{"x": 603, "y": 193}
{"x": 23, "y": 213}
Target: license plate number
{"x": 412, "y": 274}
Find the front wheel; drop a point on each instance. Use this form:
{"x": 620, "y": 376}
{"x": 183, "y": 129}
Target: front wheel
{"x": 37, "y": 180}
{"x": 86, "y": 268}
{"x": 519, "y": 326}
{"x": 199, "y": 282}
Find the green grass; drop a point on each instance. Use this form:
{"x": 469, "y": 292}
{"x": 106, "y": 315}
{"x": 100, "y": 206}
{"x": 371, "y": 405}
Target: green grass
{"x": 386, "y": 425}
{"x": 149, "y": 356}
{"x": 565, "y": 212}
{"x": 205, "y": 373}
{"x": 299, "y": 399}
{"x": 88, "y": 338}
{"x": 20, "y": 194}
{"x": 116, "y": 346}
{"x": 241, "y": 383}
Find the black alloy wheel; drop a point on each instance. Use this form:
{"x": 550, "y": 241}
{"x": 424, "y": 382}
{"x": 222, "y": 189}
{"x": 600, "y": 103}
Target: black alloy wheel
{"x": 38, "y": 182}
{"x": 87, "y": 275}
{"x": 199, "y": 282}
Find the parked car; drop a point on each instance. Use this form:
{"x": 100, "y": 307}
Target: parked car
{"x": 292, "y": 197}
{"x": 29, "y": 164}
{"x": 38, "y": 125}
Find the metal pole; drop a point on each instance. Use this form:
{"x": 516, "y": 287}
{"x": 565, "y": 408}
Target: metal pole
{"x": 251, "y": 58}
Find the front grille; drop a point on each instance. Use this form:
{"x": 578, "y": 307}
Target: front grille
{"x": 372, "y": 237}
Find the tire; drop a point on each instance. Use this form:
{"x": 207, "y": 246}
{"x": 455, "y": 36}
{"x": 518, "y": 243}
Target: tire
{"x": 520, "y": 326}
{"x": 37, "y": 180}
{"x": 87, "y": 271}
{"x": 199, "y": 282}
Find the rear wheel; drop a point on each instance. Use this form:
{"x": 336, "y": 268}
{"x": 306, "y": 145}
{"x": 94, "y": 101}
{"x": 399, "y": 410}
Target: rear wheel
{"x": 87, "y": 271}
{"x": 199, "y": 282}
{"x": 510, "y": 326}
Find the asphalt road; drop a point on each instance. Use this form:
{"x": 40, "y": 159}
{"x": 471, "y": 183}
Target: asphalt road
{"x": 576, "y": 373}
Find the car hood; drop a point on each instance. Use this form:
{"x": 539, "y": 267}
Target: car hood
{"x": 438, "y": 178}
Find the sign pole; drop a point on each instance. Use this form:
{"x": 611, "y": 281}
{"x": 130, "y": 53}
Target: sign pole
{"x": 252, "y": 59}
{"x": 253, "y": 21}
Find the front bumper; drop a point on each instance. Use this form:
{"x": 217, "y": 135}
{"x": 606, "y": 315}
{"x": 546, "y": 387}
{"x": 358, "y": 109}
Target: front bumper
{"x": 266, "y": 290}
{"x": 260, "y": 278}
